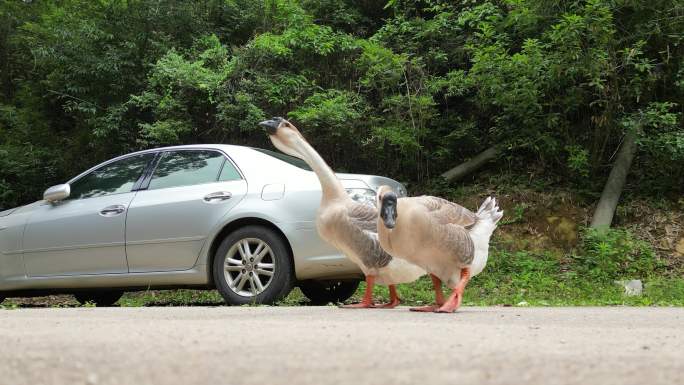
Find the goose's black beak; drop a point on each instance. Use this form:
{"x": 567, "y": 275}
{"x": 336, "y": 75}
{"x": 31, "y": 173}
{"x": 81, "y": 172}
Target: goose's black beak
{"x": 388, "y": 209}
{"x": 271, "y": 125}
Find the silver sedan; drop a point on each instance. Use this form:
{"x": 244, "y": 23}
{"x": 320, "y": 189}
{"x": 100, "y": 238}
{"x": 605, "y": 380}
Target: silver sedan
{"x": 238, "y": 219}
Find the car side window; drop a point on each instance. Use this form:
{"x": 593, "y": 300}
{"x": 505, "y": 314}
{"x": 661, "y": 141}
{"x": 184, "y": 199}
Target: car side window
{"x": 229, "y": 172}
{"x": 113, "y": 178}
{"x": 186, "y": 168}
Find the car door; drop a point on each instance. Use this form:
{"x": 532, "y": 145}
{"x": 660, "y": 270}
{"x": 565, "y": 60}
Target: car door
{"x": 84, "y": 234}
{"x": 186, "y": 195}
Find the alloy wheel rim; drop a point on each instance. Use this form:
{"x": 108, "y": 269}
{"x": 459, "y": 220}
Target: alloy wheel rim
{"x": 249, "y": 267}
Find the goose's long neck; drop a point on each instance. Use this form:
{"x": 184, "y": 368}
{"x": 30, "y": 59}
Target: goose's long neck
{"x": 384, "y": 236}
{"x": 331, "y": 186}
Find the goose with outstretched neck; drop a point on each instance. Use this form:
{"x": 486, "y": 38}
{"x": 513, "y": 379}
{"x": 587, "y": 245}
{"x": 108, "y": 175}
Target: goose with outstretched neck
{"x": 349, "y": 226}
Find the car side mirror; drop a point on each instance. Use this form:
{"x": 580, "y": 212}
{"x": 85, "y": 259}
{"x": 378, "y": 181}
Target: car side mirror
{"x": 57, "y": 193}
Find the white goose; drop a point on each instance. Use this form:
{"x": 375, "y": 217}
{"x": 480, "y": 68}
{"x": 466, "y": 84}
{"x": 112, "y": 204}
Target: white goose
{"x": 349, "y": 226}
{"x": 446, "y": 239}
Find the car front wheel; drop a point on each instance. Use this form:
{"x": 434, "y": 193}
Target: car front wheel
{"x": 324, "y": 292}
{"x": 101, "y": 298}
{"x": 253, "y": 265}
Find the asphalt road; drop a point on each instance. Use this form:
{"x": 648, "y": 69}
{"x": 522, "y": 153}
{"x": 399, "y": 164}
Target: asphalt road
{"x": 327, "y": 345}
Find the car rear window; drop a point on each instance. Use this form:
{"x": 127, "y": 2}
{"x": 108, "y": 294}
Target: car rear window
{"x": 186, "y": 168}
{"x": 229, "y": 172}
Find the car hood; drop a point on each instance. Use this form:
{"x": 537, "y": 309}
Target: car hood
{"x": 372, "y": 181}
{"x": 24, "y": 208}
{"x": 8, "y": 212}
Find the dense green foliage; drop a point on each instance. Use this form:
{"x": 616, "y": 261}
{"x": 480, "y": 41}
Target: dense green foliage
{"x": 410, "y": 88}
{"x": 614, "y": 254}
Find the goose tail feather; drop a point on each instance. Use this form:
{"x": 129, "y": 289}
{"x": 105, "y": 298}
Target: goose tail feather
{"x": 489, "y": 212}
{"x": 488, "y": 215}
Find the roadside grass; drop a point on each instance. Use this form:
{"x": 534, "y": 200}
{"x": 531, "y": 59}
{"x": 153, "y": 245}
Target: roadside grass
{"x": 172, "y": 298}
{"x": 536, "y": 288}
{"x": 183, "y": 297}
{"x": 194, "y": 298}
{"x": 586, "y": 276}
{"x": 487, "y": 289}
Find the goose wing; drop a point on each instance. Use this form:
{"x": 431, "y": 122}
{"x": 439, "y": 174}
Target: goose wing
{"x": 453, "y": 242}
{"x": 444, "y": 212}
{"x": 363, "y": 216}
{"x": 363, "y": 233}
{"x": 458, "y": 237}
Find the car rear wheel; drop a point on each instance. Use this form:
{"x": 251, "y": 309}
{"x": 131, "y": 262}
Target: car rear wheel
{"x": 253, "y": 265}
{"x": 101, "y": 298}
{"x": 324, "y": 292}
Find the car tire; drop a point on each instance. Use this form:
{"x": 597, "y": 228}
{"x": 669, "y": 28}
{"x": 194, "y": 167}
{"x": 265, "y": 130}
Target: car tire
{"x": 101, "y": 298}
{"x": 248, "y": 255}
{"x": 324, "y": 292}
{"x": 2, "y": 298}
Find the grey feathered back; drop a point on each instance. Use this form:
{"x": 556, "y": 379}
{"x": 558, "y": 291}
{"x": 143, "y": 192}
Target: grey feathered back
{"x": 442, "y": 211}
{"x": 361, "y": 230}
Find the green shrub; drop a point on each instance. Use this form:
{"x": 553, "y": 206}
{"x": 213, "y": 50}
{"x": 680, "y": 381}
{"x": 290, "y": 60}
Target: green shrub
{"x": 609, "y": 254}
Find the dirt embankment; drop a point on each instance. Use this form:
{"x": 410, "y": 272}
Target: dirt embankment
{"x": 537, "y": 221}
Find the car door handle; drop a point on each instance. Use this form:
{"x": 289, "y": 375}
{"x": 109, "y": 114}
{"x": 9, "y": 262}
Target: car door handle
{"x": 111, "y": 211}
{"x": 218, "y": 196}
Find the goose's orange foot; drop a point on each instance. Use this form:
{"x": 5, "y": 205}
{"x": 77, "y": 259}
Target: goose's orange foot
{"x": 360, "y": 305}
{"x": 454, "y": 301}
{"x": 446, "y": 309}
{"x": 451, "y": 305}
{"x": 425, "y": 309}
{"x": 394, "y": 299}
{"x": 390, "y": 305}
{"x": 367, "y": 301}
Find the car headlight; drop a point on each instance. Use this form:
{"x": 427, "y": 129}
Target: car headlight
{"x": 362, "y": 195}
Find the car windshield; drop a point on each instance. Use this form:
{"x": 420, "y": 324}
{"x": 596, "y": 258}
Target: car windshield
{"x": 285, "y": 158}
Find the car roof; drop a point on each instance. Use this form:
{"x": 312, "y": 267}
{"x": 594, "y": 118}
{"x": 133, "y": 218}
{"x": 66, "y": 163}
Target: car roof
{"x": 185, "y": 146}
{"x": 372, "y": 180}
{"x": 221, "y": 147}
